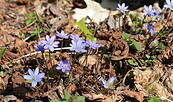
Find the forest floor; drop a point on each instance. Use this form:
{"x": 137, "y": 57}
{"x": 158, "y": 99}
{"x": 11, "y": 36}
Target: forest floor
{"x": 140, "y": 62}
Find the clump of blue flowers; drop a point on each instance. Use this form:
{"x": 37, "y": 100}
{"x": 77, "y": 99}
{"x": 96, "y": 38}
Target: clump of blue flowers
{"x": 63, "y": 65}
{"x": 39, "y": 47}
{"x": 49, "y": 43}
{"x": 92, "y": 44}
{"x": 76, "y": 37}
{"x": 150, "y": 11}
{"x": 122, "y": 8}
{"x": 109, "y": 83}
{"x": 78, "y": 46}
{"x": 151, "y": 29}
{"x": 34, "y": 76}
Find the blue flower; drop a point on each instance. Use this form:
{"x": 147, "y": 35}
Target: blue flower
{"x": 92, "y": 44}
{"x": 169, "y": 4}
{"x": 34, "y": 76}
{"x": 76, "y": 37}
{"x": 151, "y": 29}
{"x": 62, "y": 35}
{"x": 40, "y": 47}
{"x": 63, "y": 66}
{"x": 150, "y": 11}
{"x": 78, "y": 46}
{"x": 49, "y": 43}
{"x": 109, "y": 83}
{"x": 122, "y": 8}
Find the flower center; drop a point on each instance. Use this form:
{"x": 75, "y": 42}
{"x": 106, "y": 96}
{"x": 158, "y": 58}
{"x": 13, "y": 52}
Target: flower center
{"x": 108, "y": 84}
{"x": 50, "y": 43}
{"x": 34, "y": 78}
{"x": 63, "y": 65}
{"x": 78, "y": 48}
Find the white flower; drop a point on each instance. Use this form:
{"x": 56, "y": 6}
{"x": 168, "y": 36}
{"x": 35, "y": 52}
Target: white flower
{"x": 169, "y": 4}
{"x": 122, "y": 7}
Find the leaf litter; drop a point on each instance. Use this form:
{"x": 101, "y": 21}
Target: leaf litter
{"x": 152, "y": 76}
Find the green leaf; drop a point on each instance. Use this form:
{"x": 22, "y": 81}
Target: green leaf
{"x": 136, "y": 45}
{"x": 131, "y": 61}
{"x": 28, "y": 22}
{"x": 30, "y": 15}
{"x": 23, "y": 35}
{"x": 55, "y": 101}
{"x": 67, "y": 95}
{"x": 81, "y": 99}
{"x": 46, "y": 29}
{"x": 64, "y": 1}
{"x": 154, "y": 61}
{"x": 39, "y": 18}
{"x": 2, "y": 52}
{"x": 83, "y": 27}
{"x": 107, "y": 55}
{"x": 3, "y": 73}
{"x": 153, "y": 99}
{"x": 35, "y": 32}
{"x": 126, "y": 38}
{"x": 147, "y": 56}
{"x": 89, "y": 37}
{"x": 161, "y": 33}
{"x": 61, "y": 100}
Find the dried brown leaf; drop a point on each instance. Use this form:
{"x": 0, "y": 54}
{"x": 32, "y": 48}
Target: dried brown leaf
{"x": 88, "y": 60}
{"x": 139, "y": 96}
{"x": 120, "y": 49}
{"x": 2, "y": 85}
{"x": 71, "y": 88}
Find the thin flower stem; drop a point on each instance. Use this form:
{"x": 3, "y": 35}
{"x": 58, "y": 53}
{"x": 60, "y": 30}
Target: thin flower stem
{"x": 62, "y": 45}
{"x": 86, "y": 58}
{"x": 50, "y": 59}
{"x": 68, "y": 78}
{"x": 119, "y": 21}
{"x": 165, "y": 23}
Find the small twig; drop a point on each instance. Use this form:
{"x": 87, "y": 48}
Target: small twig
{"x": 30, "y": 24}
{"x": 56, "y": 49}
{"x": 126, "y": 76}
{"x": 50, "y": 91}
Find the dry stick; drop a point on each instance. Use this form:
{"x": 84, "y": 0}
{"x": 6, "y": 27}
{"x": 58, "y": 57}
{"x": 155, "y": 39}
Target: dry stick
{"x": 119, "y": 21}
{"x": 126, "y": 76}
{"x": 165, "y": 23}
{"x": 30, "y": 24}
{"x": 85, "y": 60}
{"x": 50, "y": 59}
{"x": 56, "y": 49}
{"x": 61, "y": 48}
{"x": 50, "y": 91}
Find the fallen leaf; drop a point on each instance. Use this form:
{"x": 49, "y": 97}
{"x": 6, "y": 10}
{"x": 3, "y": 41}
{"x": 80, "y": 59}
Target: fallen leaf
{"x": 17, "y": 79}
{"x": 2, "y": 85}
{"x": 88, "y": 60}
{"x": 9, "y": 98}
{"x": 94, "y": 10}
{"x": 158, "y": 26}
{"x": 137, "y": 95}
{"x": 120, "y": 49}
{"x": 71, "y": 88}
{"x": 148, "y": 82}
